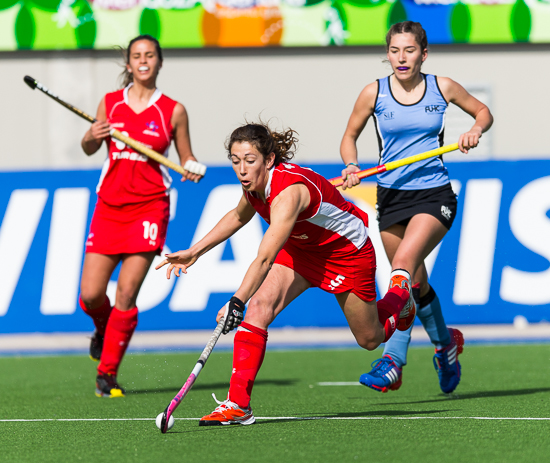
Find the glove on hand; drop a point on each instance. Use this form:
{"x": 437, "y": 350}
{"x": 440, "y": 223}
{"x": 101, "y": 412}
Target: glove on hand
{"x": 234, "y": 314}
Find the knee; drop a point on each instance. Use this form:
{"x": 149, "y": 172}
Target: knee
{"x": 92, "y": 299}
{"x": 368, "y": 342}
{"x": 259, "y": 312}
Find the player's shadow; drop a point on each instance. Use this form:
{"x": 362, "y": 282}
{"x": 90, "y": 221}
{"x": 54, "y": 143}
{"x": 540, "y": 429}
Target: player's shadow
{"x": 371, "y": 415}
{"x": 476, "y": 395}
{"x": 213, "y": 386}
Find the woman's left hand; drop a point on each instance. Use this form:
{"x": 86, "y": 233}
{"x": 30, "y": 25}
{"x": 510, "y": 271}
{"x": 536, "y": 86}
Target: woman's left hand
{"x": 190, "y": 175}
{"x": 469, "y": 140}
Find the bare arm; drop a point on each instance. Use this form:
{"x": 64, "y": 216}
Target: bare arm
{"x": 453, "y": 92}
{"x": 93, "y": 138}
{"x": 182, "y": 140}
{"x": 284, "y": 212}
{"x": 233, "y": 221}
{"x": 362, "y": 111}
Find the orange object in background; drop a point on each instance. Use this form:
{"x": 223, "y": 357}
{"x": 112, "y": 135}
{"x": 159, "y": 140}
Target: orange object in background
{"x": 242, "y": 27}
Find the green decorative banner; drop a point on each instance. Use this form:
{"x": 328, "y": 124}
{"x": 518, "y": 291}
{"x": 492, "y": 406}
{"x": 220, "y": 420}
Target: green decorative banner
{"x": 102, "y": 24}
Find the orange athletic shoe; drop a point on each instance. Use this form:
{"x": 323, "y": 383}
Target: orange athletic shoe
{"x": 228, "y": 412}
{"x": 402, "y": 279}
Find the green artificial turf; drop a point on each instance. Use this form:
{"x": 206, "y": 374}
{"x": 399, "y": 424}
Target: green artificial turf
{"x": 498, "y": 381}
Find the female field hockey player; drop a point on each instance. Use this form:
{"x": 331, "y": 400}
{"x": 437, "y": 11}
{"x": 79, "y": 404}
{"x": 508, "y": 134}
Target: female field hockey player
{"x": 416, "y": 205}
{"x": 132, "y": 211}
{"x": 315, "y": 238}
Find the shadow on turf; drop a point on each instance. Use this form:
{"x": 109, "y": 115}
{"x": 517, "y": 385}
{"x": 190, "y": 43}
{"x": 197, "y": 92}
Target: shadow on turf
{"x": 373, "y": 414}
{"x": 476, "y": 395}
{"x": 210, "y": 386}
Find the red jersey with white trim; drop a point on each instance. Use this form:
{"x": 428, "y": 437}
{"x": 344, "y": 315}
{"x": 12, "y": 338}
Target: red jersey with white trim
{"x": 330, "y": 223}
{"x": 129, "y": 177}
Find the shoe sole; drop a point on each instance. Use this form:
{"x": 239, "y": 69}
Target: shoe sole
{"x": 247, "y": 422}
{"x": 392, "y": 387}
{"x": 113, "y": 395}
{"x": 93, "y": 359}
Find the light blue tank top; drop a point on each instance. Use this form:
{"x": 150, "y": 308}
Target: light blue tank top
{"x": 406, "y": 130}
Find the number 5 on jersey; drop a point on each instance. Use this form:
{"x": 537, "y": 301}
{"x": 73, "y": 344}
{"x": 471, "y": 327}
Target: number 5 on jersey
{"x": 336, "y": 282}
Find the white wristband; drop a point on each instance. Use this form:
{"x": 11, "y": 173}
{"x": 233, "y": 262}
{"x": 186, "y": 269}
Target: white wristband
{"x": 195, "y": 168}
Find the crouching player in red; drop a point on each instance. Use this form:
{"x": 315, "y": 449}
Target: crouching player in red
{"x": 315, "y": 238}
{"x": 132, "y": 211}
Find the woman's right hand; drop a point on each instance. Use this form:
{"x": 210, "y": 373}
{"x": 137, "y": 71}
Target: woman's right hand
{"x": 98, "y": 132}
{"x": 350, "y": 178}
{"x": 178, "y": 261}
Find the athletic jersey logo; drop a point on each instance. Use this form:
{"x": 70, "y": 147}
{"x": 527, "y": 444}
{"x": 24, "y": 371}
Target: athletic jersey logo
{"x": 151, "y": 129}
{"x": 300, "y": 237}
{"x": 434, "y": 109}
{"x": 389, "y": 115}
{"x": 446, "y": 212}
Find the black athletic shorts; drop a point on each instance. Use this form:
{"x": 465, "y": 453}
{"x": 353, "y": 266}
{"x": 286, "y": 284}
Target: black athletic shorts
{"x": 399, "y": 206}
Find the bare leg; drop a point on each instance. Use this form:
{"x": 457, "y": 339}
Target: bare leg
{"x": 281, "y": 286}
{"x": 279, "y": 289}
{"x": 132, "y": 273}
{"x": 123, "y": 319}
{"x": 407, "y": 247}
{"x": 363, "y": 320}
{"x": 96, "y": 273}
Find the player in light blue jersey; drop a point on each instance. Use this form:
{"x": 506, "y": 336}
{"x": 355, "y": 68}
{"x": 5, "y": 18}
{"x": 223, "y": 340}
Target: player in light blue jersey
{"x": 416, "y": 205}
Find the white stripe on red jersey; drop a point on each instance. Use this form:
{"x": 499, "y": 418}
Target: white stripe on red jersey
{"x": 329, "y": 223}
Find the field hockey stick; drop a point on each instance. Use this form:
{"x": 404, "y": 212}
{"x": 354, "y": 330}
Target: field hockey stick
{"x": 337, "y": 181}
{"x": 190, "y": 166}
{"x": 192, "y": 377}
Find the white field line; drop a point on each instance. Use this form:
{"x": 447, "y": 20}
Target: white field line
{"x": 298, "y": 418}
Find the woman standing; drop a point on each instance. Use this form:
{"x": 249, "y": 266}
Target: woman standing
{"x": 132, "y": 211}
{"x": 416, "y": 205}
{"x": 315, "y": 238}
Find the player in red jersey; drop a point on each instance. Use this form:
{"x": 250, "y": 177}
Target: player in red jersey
{"x": 132, "y": 211}
{"x": 315, "y": 238}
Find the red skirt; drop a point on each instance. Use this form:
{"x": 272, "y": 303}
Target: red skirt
{"x": 335, "y": 272}
{"x": 129, "y": 229}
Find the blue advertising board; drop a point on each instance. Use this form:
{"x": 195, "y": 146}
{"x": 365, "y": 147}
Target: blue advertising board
{"x": 493, "y": 264}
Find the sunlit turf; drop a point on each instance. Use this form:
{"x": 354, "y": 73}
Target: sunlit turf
{"x": 498, "y": 381}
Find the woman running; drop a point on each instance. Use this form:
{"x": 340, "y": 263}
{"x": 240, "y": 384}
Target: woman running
{"x": 315, "y": 238}
{"x": 132, "y": 211}
{"x": 416, "y": 205}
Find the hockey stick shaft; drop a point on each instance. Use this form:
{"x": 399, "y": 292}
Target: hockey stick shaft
{"x": 140, "y": 148}
{"x": 337, "y": 181}
{"x": 192, "y": 377}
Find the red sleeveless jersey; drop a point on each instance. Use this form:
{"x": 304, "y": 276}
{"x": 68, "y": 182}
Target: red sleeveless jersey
{"x": 329, "y": 224}
{"x": 129, "y": 177}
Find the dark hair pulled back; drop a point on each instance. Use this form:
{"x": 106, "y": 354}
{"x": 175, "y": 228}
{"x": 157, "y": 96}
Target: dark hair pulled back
{"x": 411, "y": 27}
{"x": 127, "y": 77}
{"x": 266, "y": 141}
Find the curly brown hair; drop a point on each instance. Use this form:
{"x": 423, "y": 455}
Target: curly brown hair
{"x": 266, "y": 141}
